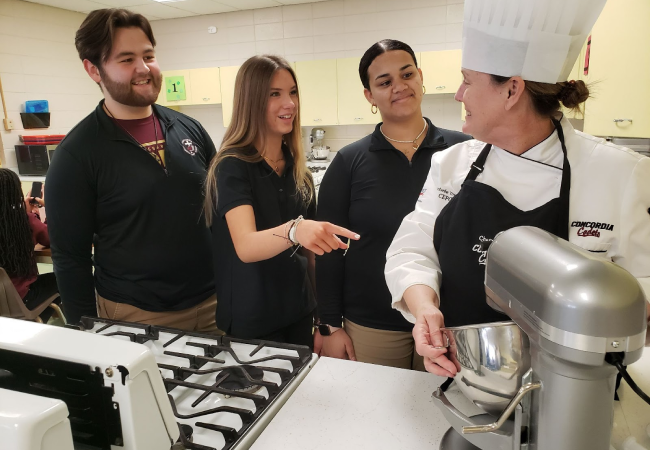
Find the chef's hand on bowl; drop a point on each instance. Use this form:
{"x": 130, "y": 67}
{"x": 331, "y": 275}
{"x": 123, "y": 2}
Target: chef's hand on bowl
{"x": 430, "y": 342}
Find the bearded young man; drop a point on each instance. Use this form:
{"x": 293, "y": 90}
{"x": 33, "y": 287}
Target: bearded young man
{"x": 128, "y": 179}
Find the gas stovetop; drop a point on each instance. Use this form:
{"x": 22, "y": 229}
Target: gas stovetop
{"x": 218, "y": 386}
{"x": 141, "y": 387}
{"x": 317, "y": 169}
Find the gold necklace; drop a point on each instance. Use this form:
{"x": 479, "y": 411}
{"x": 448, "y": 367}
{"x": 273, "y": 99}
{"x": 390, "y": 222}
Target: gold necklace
{"x": 274, "y": 164}
{"x": 413, "y": 142}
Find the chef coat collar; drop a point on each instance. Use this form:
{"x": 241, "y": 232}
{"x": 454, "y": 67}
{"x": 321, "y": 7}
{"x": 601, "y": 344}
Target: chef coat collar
{"x": 547, "y": 152}
{"x": 433, "y": 139}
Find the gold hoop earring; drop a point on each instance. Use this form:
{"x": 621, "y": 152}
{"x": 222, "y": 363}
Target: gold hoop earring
{"x": 373, "y": 109}
{"x": 424, "y": 89}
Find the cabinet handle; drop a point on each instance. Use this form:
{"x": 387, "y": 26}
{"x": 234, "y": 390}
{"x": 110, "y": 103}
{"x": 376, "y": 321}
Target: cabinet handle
{"x": 358, "y": 118}
{"x": 622, "y": 120}
{"x": 317, "y": 120}
{"x": 205, "y": 99}
{"x": 440, "y": 87}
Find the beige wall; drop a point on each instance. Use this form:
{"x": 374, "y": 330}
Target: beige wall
{"x": 38, "y": 61}
{"x": 323, "y": 30}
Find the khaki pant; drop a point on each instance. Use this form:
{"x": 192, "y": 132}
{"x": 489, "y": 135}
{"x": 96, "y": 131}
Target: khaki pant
{"x": 200, "y": 318}
{"x": 386, "y": 348}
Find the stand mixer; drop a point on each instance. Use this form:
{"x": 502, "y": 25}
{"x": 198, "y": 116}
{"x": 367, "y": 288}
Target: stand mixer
{"x": 547, "y": 379}
{"x": 319, "y": 151}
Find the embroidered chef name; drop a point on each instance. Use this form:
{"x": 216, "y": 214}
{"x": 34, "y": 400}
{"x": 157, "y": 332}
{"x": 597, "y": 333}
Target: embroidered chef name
{"x": 421, "y": 194}
{"x": 591, "y": 228}
{"x": 444, "y": 194}
{"x": 481, "y": 248}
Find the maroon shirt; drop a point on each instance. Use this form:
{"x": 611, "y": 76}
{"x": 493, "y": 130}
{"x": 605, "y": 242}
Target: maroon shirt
{"x": 39, "y": 236}
{"x": 142, "y": 130}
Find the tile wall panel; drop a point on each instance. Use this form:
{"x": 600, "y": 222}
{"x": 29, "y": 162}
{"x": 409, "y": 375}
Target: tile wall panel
{"x": 38, "y": 61}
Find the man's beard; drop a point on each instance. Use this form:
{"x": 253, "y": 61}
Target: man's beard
{"x": 125, "y": 94}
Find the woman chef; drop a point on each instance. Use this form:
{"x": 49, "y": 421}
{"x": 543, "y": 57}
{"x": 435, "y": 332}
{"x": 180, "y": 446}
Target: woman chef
{"x": 528, "y": 166}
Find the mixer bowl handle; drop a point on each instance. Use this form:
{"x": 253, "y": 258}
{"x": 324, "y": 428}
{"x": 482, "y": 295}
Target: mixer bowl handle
{"x": 525, "y": 389}
{"x": 503, "y": 439}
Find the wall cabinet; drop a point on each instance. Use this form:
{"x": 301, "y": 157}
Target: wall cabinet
{"x": 169, "y": 74}
{"x": 331, "y": 92}
{"x": 353, "y": 108}
{"x": 577, "y": 73}
{"x": 441, "y": 71}
{"x": 201, "y": 87}
{"x": 318, "y": 92}
{"x": 227, "y": 81}
{"x": 619, "y": 63}
{"x": 205, "y": 86}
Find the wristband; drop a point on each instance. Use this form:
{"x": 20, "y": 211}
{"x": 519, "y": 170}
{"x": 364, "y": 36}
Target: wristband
{"x": 292, "y": 230}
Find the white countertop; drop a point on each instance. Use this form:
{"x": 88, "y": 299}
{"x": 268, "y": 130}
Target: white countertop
{"x": 351, "y": 405}
{"x": 27, "y": 178}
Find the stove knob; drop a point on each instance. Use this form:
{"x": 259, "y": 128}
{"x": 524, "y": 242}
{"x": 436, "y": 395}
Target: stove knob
{"x": 187, "y": 431}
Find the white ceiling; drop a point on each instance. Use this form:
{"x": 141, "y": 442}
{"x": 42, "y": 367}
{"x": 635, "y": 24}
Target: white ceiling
{"x": 155, "y": 10}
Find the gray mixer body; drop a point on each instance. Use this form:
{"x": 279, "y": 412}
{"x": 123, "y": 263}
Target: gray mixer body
{"x": 575, "y": 308}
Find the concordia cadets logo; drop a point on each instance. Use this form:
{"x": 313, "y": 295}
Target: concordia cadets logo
{"x": 591, "y": 228}
{"x": 482, "y": 248}
{"x": 189, "y": 146}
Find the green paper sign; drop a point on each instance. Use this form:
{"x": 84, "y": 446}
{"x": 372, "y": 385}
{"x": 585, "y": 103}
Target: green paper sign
{"x": 175, "y": 87}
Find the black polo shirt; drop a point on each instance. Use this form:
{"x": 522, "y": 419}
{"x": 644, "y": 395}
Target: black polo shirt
{"x": 368, "y": 188}
{"x": 256, "y": 299}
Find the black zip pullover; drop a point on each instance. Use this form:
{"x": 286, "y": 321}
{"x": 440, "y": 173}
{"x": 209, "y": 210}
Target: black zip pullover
{"x": 152, "y": 249}
{"x": 369, "y": 188}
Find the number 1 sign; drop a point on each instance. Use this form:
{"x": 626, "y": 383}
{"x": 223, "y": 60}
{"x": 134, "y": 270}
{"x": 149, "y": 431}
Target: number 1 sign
{"x": 175, "y": 87}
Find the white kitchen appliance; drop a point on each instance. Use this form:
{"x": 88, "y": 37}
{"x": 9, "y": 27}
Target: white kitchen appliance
{"x": 137, "y": 387}
{"x": 17, "y": 425}
{"x": 583, "y": 317}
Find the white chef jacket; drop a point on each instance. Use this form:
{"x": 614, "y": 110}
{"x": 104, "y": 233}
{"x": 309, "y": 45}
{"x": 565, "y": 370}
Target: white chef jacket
{"x": 609, "y": 203}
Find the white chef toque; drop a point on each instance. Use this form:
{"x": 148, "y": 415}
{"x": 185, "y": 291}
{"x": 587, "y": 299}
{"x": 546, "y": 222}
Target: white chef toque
{"x": 538, "y": 40}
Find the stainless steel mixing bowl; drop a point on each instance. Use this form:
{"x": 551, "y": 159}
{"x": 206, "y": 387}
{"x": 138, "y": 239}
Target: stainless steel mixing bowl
{"x": 491, "y": 360}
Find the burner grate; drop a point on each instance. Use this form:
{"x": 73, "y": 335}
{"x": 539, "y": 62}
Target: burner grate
{"x": 217, "y": 350}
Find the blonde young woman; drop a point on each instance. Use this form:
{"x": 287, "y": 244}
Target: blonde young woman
{"x": 260, "y": 202}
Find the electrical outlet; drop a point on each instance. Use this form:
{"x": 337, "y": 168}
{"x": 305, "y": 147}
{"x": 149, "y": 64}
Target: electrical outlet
{"x": 9, "y": 124}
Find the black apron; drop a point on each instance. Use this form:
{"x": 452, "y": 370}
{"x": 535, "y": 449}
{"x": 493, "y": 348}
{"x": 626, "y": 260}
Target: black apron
{"x": 465, "y": 228}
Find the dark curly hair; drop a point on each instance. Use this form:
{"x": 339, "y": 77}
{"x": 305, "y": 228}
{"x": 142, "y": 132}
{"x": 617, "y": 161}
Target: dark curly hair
{"x": 16, "y": 242}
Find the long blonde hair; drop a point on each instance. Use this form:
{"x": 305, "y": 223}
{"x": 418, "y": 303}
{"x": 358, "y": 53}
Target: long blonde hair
{"x": 252, "y": 89}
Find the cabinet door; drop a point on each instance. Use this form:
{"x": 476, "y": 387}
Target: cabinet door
{"x": 318, "y": 98}
{"x": 619, "y": 64}
{"x": 353, "y": 108}
{"x": 205, "y": 86}
{"x": 227, "y": 81}
{"x": 441, "y": 71}
{"x": 175, "y": 82}
{"x": 577, "y": 73}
